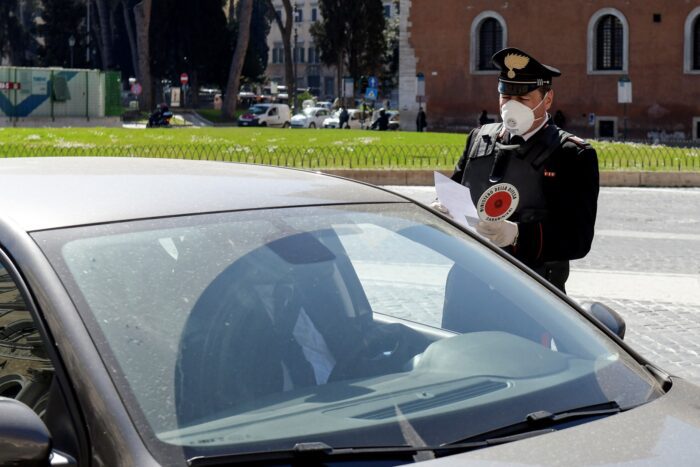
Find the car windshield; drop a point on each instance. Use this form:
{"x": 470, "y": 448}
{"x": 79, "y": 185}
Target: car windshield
{"x": 309, "y": 111}
{"x": 349, "y": 325}
{"x": 258, "y": 109}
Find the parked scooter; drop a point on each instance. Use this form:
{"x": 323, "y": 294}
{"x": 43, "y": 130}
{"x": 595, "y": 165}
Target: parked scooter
{"x": 160, "y": 117}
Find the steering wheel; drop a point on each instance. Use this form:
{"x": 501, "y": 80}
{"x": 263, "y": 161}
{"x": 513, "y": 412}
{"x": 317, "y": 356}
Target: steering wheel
{"x": 383, "y": 349}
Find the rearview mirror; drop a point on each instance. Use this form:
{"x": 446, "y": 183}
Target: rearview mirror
{"x": 606, "y": 315}
{"x": 24, "y": 439}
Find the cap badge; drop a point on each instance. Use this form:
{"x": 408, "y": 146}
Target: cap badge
{"x": 515, "y": 61}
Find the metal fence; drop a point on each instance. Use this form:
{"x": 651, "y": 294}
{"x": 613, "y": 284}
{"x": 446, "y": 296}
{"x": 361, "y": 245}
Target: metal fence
{"x": 611, "y": 156}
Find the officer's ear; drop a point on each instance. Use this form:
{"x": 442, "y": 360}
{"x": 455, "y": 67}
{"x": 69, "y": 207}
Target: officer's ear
{"x": 549, "y": 99}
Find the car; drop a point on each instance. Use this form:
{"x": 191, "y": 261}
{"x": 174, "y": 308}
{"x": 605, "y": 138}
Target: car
{"x": 175, "y": 312}
{"x": 353, "y": 120}
{"x": 272, "y": 115}
{"x": 310, "y": 117}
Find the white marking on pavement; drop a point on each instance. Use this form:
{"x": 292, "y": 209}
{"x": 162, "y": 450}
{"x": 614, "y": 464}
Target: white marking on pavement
{"x": 647, "y": 235}
{"x": 632, "y": 285}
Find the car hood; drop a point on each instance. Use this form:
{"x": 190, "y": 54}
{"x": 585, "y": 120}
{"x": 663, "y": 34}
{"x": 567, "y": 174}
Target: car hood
{"x": 665, "y": 431}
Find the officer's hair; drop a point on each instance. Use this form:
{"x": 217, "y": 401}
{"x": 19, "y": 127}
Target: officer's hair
{"x": 544, "y": 89}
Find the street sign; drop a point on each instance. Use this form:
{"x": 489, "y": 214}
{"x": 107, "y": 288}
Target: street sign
{"x": 9, "y": 85}
{"x": 348, "y": 87}
{"x": 624, "y": 90}
{"x": 136, "y": 89}
{"x": 175, "y": 97}
{"x": 372, "y": 82}
{"x": 371, "y": 94}
{"x": 184, "y": 79}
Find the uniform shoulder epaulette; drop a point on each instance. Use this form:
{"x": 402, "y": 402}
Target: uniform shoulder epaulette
{"x": 577, "y": 141}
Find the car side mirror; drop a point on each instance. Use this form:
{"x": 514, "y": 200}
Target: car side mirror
{"x": 24, "y": 439}
{"x": 606, "y": 315}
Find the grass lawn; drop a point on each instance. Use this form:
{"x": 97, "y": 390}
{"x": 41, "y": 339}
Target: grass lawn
{"x": 313, "y": 148}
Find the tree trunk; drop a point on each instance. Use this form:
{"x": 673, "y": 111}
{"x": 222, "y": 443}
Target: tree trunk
{"x": 131, "y": 36}
{"x": 234, "y": 75}
{"x": 142, "y": 15}
{"x": 339, "y": 74}
{"x": 106, "y": 45}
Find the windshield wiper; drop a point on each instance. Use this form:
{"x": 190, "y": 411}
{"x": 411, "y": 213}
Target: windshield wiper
{"x": 310, "y": 453}
{"x": 544, "y": 422}
{"x": 535, "y": 424}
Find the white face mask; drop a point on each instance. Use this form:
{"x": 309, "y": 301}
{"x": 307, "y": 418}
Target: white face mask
{"x": 517, "y": 117}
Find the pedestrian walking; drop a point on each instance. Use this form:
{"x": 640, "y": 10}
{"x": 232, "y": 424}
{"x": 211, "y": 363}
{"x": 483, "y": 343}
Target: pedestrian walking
{"x": 382, "y": 122}
{"x": 421, "y": 120}
{"x": 484, "y": 118}
{"x": 552, "y": 174}
{"x": 343, "y": 118}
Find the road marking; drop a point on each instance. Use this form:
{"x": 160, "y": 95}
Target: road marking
{"x": 633, "y": 285}
{"x": 647, "y": 235}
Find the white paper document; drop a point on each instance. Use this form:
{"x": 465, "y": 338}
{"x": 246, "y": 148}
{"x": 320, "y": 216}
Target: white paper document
{"x": 457, "y": 199}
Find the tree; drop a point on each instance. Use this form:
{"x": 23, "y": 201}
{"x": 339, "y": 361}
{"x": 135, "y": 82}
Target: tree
{"x": 17, "y": 31}
{"x": 142, "y": 16}
{"x": 256, "y": 58}
{"x": 106, "y": 33}
{"x": 351, "y": 34}
{"x": 190, "y": 37}
{"x": 61, "y": 20}
{"x": 286, "y": 27}
{"x": 245, "y": 13}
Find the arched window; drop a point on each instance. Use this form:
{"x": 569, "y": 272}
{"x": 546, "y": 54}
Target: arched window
{"x": 608, "y": 42}
{"x": 696, "y": 44}
{"x": 490, "y": 42}
{"x": 691, "y": 43}
{"x": 488, "y": 36}
{"x": 608, "y": 46}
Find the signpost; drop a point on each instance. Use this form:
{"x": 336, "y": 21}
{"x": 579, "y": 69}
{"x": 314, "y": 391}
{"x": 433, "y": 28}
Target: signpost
{"x": 184, "y": 80}
{"x": 136, "y": 89}
{"x": 348, "y": 87}
{"x": 624, "y": 97}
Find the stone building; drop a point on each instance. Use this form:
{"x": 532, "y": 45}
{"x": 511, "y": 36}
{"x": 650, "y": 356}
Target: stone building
{"x": 596, "y": 44}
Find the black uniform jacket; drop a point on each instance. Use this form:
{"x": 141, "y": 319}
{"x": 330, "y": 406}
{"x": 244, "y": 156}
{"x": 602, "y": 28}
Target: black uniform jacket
{"x": 566, "y": 183}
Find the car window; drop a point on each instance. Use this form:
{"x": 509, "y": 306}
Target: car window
{"x": 25, "y": 368}
{"x": 272, "y": 327}
{"x": 272, "y": 112}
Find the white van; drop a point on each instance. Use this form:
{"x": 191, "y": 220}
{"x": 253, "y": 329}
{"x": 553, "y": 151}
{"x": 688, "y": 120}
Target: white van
{"x": 273, "y": 115}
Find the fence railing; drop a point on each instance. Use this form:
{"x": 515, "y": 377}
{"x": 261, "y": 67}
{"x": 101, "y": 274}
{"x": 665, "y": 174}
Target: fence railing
{"x": 611, "y": 156}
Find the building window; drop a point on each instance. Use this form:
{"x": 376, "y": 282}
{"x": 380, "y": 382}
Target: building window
{"x": 299, "y": 53}
{"x": 387, "y": 11}
{"x": 488, "y": 36}
{"x": 691, "y": 42}
{"x": 608, "y": 53}
{"x": 314, "y": 14}
{"x": 298, "y": 15}
{"x": 608, "y": 42}
{"x": 277, "y": 53}
{"x": 314, "y": 56}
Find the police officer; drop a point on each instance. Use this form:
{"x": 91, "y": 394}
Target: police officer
{"x": 554, "y": 173}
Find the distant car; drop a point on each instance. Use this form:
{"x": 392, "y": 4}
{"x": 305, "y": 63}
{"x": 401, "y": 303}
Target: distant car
{"x": 193, "y": 313}
{"x": 272, "y": 115}
{"x": 310, "y": 117}
{"x": 353, "y": 120}
{"x": 394, "y": 120}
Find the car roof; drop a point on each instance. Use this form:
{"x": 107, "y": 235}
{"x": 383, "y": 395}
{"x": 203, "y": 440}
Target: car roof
{"x": 50, "y": 192}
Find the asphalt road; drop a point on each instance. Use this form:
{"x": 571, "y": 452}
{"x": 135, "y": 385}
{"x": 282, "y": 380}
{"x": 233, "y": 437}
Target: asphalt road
{"x": 644, "y": 263}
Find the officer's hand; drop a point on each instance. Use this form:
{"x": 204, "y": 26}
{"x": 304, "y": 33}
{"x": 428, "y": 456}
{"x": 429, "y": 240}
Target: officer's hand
{"x": 501, "y": 233}
{"x": 438, "y": 206}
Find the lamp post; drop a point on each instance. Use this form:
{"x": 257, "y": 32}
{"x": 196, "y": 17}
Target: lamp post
{"x": 71, "y": 44}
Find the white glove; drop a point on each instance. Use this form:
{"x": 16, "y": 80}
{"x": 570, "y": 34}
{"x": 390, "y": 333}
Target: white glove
{"x": 438, "y": 206}
{"x": 501, "y": 233}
